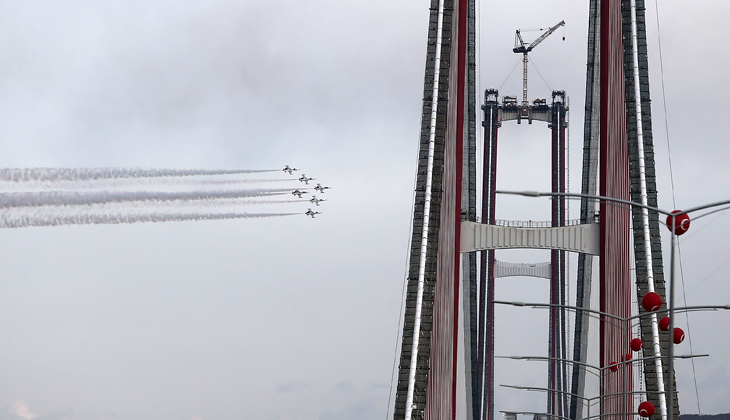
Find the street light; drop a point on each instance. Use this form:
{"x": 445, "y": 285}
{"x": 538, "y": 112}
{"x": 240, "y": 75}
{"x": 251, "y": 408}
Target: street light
{"x": 670, "y": 355}
{"x": 555, "y": 416}
{"x": 673, "y": 216}
{"x": 624, "y": 322}
{"x": 542, "y": 358}
{"x": 598, "y": 368}
{"x": 586, "y": 400}
{"x": 616, "y": 317}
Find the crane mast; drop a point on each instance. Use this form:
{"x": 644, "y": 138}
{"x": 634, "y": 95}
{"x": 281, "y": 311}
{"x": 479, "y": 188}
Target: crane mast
{"x": 521, "y": 47}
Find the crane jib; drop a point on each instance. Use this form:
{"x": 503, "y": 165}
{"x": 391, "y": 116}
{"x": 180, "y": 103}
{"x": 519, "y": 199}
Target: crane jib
{"x": 523, "y": 48}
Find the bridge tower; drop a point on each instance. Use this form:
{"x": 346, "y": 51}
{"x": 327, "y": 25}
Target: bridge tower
{"x": 617, "y": 49}
{"x": 496, "y": 112}
{"x": 427, "y": 370}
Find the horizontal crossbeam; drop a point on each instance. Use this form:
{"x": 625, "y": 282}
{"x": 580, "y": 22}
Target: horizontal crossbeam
{"x": 580, "y": 238}
{"x": 539, "y": 270}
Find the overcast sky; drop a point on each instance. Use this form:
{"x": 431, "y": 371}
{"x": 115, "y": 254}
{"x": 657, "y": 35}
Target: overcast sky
{"x": 292, "y": 318}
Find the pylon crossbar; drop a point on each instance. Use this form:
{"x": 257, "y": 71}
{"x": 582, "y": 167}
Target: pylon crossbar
{"x": 580, "y": 238}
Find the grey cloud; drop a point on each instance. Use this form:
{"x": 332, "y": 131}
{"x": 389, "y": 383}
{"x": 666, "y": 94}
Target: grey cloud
{"x": 345, "y": 386}
{"x": 293, "y": 386}
{"x": 368, "y": 408}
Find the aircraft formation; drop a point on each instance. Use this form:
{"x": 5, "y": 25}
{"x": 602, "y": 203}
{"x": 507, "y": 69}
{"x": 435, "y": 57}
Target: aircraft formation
{"x": 299, "y": 193}
{"x": 35, "y": 197}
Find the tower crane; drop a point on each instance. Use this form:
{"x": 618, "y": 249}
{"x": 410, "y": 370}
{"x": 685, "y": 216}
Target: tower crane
{"x": 521, "y": 47}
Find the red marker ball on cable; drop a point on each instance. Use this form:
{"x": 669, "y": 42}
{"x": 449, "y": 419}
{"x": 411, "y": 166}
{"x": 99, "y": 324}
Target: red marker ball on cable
{"x": 664, "y": 324}
{"x": 646, "y": 409}
{"x": 682, "y": 223}
{"x": 651, "y": 301}
{"x": 678, "y": 335}
{"x": 636, "y": 344}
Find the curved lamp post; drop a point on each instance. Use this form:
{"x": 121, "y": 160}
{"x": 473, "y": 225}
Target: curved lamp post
{"x": 622, "y": 320}
{"x": 599, "y": 369}
{"x": 586, "y": 401}
{"x": 670, "y": 216}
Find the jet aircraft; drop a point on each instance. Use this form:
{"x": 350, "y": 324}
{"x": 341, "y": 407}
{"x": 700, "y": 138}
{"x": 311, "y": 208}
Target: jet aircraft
{"x": 298, "y": 193}
{"x": 315, "y": 200}
{"x": 311, "y": 213}
{"x": 289, "y": 169}
{"x": 305, "y": 180}
{"x": 320, "y": 188}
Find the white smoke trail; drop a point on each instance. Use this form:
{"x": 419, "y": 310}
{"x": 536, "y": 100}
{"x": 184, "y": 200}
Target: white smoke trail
{"x": 147, "y": 205}
{"x": 245, "y": 181}
{"x": 129, "y": 182}
{"x": 85, "y": 174}
{"x": 218, "y": 202}
{"x": 71, "y": 198}
{"x": 47, "y": 219}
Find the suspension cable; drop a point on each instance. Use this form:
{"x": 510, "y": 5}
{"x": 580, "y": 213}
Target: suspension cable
{"x": 510, "y": 73}
{"x": 689, "y": 337}
{"x": 538, "y": 72}
{"x": 671, "y": 177}
{"x": 664, "y": 101}
{"x": 403, "y": 293}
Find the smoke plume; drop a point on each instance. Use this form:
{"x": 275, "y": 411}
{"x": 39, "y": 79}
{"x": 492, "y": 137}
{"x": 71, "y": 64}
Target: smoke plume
{"x": 130, "y": 182}
{"x": 72, "y": 198}
{"x": 46, "y": 219}
{"x": 85, "y": 174}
